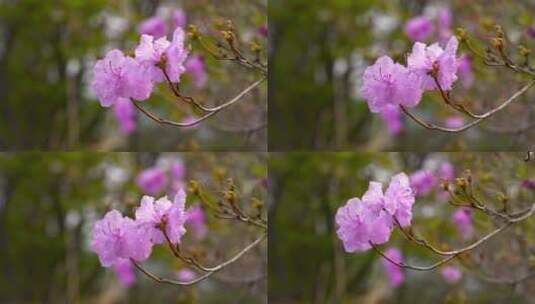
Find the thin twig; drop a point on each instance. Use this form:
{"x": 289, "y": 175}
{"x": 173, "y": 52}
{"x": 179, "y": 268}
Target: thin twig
{"x": 482, "y": 117}
{"x": 209, "y": 270}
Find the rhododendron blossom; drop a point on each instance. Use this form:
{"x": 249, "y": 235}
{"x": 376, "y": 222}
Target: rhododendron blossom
{"x": 370, "y": 219}
{"x": 419, "y": 28}
{"x": 387, "y": 83}
{"x": 394, "y": 272}
{"x": 197, "y": 221}
{"x": 119, "y": 76}
{"x": 154, "y": 26}
{"x": 399, "y": 199}
{"x": 125, "y": 272}
{"x": 392, "y": 117}
{"x": 462, "y": 218}
{"x": 152, "y": 180}
{"x": 180, "y": 19}
{"x": 160, "y": 53}
{"x": 451, "y": 274}
{"x": 426, "y": 60}
{"x": 422, "y": 181}
{"x": 125, "y": 113}
{"x": 163, "y": 215}
{"x": 115, "y": 238}
{"x": 195, "y": 66}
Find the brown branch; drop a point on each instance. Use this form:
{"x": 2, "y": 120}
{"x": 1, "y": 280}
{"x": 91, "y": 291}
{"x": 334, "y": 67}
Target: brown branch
{"x": 482, "y": 117}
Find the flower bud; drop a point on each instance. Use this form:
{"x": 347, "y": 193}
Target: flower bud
{"x": 461, "y": 34}
{"x": 523, "y": 50}
{"x": 497, "y": 42}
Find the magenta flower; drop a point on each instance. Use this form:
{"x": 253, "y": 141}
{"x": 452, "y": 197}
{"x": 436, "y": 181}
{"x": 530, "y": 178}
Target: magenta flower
{"x": 162, "y": 215}
{"x": 428, "y": 59}
{"x": 150, "y": 53}
{"x": 115, "y": 238}
{"x": 358, "y": 226}
{"x": 392, "y": 117}
{"x": 394, "y": 272}
{"x": 125, "y": 273}
{"x": 454, "y": 121}
{"x": 186, "y": 275}
{"x": 387, "y": 83}
{"x": 422, "y": 181}
{"x": 125, "y": 113}
{"x": 531, "y": 31}
{"x": 154, "y": 26}
{"x": 465, "y": 71}
{"x": 451, "y": 274}
{"x": 444, "y": 24}
{"x": 528, "y": 184}
{"x": 180, "y": 19}
{"x": 195, "y": 66}
{"x": 197, "y": 221}
{"x": 446, "y": 171}
{"x": 399, "y": 199}
{"x": 118, "y": 76}
{"x": 152, "y": 180}
{"x": 178, "y": 170}
{"x": 263, "y": 30}
{"x": 418, "y": 28}
{"x": 462, "y": 218}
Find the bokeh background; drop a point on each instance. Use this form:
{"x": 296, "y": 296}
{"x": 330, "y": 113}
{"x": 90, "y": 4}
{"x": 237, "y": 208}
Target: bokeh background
{"x": 319, "y": 51}
{"x": 47, "y": 53}
{"x": 307, "y": 263}
{"x": 50, "y": 201}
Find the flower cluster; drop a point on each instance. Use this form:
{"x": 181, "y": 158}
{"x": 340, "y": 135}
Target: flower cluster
{"x": 118, "y": 77}
{"x": 387, "y": 83}
{"x": 419, "y": 28}
{"x": 154, "y": 179}
{"x": 117, "y": 238}
{"x": 371, "y": 219}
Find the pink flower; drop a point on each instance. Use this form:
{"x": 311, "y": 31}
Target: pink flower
{"x": 462, "y": 218}
{"x": 152, "y": 180}
{"x": 178, "y": 170}
{"x": 444, "y": 23}
{"x": 454, "y": 121}
{"x": 180, "y": 19}
{"x": 358, "y": 226}
{"x": 418, "y": 28}
{"x": 125, "y": 113}
{"x": 446, "y": 171}
{"x": 371, "y": 219}
{"x": 395, "y": 273}
{"x": 399, "y": 199}
{"x": 422, "y": 181}
{"x": 530, "y": 30}
{"x": 392, "y": 117}
{"x": 150, "y": 54}
{"x": 195, "y": 66}
{"x": 425, "y": 59}
{"x": 162, "y": 214}
{"x": 528, "y": 184}
{"x": 115, "y": 238}
{"x": 262, "y": 30}
{"x": 451, "y": 274}
{"x": 125, "y": 272}
{"x": 387, "y": 83}
{"x": 118, "y": 76}
{"x": 186, "y": 275}
{"x": 465, "y": 71}
{"x": 197, "y": 221}
{"x": 154, "y": 26}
